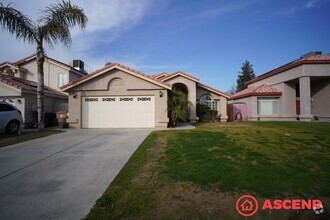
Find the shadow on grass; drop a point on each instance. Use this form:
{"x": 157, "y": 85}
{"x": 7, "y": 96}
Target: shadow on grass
{"x": 10, "y": 139}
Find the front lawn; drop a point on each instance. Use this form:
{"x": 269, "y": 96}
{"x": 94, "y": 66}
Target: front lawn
{"x": 200, "y": 173}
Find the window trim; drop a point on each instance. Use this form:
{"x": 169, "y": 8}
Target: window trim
{"x": 267, "y": 99}
{"x": 211, "y": 103}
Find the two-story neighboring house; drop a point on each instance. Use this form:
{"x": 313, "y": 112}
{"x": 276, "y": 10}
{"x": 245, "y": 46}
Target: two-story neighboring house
{"x": 18, "y": 85}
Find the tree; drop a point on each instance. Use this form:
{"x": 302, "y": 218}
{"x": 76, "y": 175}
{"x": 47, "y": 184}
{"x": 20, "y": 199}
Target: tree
{"x": 244, "y": 76}
{"x": 52, "y": 27}
{"x": 231, "y": 90}
{"x": 176, "y": 104}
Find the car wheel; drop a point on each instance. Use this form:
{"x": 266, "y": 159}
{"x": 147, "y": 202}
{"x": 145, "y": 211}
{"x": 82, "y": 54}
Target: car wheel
{"x": 12, "y": 127}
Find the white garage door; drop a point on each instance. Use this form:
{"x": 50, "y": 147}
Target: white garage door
{"x": 118, "y": 112}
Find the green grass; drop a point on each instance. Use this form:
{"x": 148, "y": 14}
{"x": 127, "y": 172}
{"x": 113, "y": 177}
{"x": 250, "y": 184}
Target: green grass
{"x": 269, "y": 159}
{"x": 10, "y": 139}
{"x": 196, "y": 170}
{"x": 125, "y": 198}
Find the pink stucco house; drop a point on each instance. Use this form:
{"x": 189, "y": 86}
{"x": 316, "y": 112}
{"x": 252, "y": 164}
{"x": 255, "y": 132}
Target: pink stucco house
{"x": 299, "y": 90}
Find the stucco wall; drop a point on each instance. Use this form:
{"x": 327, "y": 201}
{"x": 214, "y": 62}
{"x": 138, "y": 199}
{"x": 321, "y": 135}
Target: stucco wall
{"x": 6, "y": 90}
{"x": 286, "y": 82}
{"x": 51, "y": 73}
{"x": 303, "y": 70}
{"x": 320, "y": 92}
{"x": 133, "y": 86}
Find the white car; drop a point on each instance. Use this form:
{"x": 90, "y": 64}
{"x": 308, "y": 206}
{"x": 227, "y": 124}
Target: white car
{"x": 10, "y": 118}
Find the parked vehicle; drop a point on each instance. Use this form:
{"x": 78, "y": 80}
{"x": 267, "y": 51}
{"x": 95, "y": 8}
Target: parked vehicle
{"x": 10, "y": 118}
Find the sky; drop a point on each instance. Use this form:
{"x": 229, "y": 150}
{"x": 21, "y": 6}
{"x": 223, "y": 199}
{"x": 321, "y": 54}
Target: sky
{"x": 209, "y": 39}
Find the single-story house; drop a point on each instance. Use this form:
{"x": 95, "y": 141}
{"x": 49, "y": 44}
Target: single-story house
{"x": 118, "y": 96}
{"x": 298, "y": 90}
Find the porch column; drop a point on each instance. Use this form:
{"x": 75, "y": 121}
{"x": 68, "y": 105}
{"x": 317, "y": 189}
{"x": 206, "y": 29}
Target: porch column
{"x": 305, "y": 98}
{"x": 192, "y": 108}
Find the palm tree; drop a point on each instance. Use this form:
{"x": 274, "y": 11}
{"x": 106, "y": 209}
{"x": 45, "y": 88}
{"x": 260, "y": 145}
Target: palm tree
{"x": 52, "y": 27}
{"x": 177, "y": 103}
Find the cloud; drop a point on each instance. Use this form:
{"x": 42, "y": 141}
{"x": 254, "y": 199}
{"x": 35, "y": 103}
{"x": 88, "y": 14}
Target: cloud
{"x": 310, "y": 4}
{"x": 108, "y": 20}
{"x": 307, "y": 5}
{"x": 113, "y": 14}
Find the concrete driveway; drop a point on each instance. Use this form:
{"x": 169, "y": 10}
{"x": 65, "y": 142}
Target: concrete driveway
{"x": 61, "y": 176}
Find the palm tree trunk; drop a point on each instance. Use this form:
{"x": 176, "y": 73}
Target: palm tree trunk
{"x": 40, "y": 86}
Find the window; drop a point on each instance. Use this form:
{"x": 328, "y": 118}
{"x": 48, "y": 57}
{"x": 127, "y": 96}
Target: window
{"x": 6, "y": 107}
{"x": 62, "y": 79}
{"x": 267, "y": 106}
{"x": 208, "y": 101}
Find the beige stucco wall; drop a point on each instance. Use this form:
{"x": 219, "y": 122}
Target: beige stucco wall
{"x": 134, "y": 86}
{"x": 51, "y": 73}
{"x": 191, "y": 86}
{"x": 6, "y": 90}
{"x": 297, "y": 72}
{"x": 320, "y": 92}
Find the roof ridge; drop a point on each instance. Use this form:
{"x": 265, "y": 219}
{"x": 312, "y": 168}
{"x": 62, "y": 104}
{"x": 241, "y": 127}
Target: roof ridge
{"x": 114, "y": 64}
{"x": 178, "y": 72}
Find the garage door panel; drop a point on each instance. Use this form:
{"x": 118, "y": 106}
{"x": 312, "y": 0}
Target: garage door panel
{"x": 118, "y": 112}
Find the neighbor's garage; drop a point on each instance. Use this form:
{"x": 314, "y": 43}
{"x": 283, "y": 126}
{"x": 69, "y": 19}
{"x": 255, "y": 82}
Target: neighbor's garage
{"x": 118, "y": 112}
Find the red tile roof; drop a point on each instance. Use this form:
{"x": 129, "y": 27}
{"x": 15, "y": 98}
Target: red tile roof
{"x": 27, "y": 85}
{"x": 6, "y": 62}
{"x": 160, "y": 76}
{"x": 108, "y": 67}
{"x": 33, "y": 56}
{"x": 179, "y": 73}
{"x": 261, "y": 90}
{"x": 311, "y": 58}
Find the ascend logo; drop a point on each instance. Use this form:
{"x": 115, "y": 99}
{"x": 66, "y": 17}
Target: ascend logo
{"x": 247, "y": 205}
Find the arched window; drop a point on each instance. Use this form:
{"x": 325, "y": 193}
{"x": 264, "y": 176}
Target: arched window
{"x": 9, "y": 72}
{"x": 207, "y": 100}
{"x": 116, "y": 82}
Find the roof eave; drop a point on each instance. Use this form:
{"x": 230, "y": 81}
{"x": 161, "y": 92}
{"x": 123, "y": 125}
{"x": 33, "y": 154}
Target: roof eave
{"x": 213, "y": 90}
{"x": 256, "y": 94}
{"x": 79, "y": 81}
{"x": 285, "y": 68}
{"x": 185, "y": 75}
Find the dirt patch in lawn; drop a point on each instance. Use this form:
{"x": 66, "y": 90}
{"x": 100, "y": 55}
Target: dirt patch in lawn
{"x": 147, "y": 174}
{"x": 179, "y": 200}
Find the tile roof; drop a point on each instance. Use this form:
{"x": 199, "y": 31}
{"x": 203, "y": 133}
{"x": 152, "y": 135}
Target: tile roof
{"x": 109, "y": 67}
{"x": 27, "y": 85}
{"x": 261, "y": 90}
{"x": 182, "y": 74}
{"x": 6, "y": 62}
{"x": 213, "y": 90}
{"x": 310, "y": 58}
{"x": 161, "y": 75}
{"x": 33, "y": 56}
